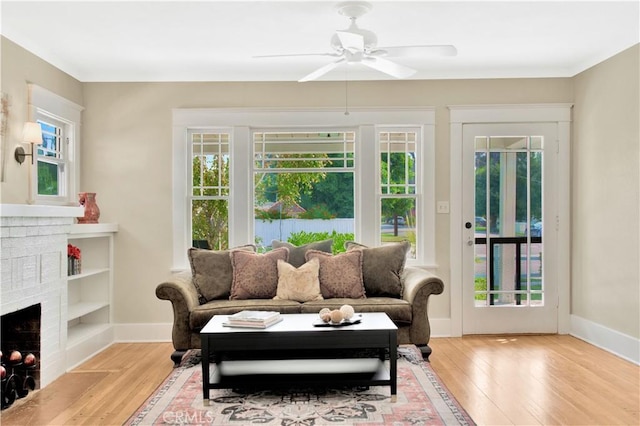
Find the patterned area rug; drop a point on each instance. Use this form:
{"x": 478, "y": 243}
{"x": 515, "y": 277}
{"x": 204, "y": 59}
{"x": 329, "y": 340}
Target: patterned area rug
{"x": 422, "y": 400}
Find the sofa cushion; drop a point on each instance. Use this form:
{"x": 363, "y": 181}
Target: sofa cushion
{"x": 212, "y": 272}
{"x": 299, "y": 284}
{"x": 382, "y": 267}
{"x": 340, "y": 275}
{"x": 255, "y": 276}
{"x": 296, "y": 253}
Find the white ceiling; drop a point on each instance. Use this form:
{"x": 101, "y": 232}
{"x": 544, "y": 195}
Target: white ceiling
{"x": 215, "y": 41}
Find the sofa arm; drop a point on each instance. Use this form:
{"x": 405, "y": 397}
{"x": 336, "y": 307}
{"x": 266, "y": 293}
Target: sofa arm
{"x": 182, "y": 294}
{"x": 418, "y": 285}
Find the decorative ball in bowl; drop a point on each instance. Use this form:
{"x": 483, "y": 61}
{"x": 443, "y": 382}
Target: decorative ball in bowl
{"x": 336, "y": 316}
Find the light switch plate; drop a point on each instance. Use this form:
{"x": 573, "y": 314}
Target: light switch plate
{"x": 443, "y": 207}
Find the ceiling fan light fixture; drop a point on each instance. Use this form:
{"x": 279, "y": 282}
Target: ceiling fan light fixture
{"x": 353, "y": 9}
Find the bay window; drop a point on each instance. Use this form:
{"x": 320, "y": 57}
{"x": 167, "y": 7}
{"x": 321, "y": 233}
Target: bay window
{"x": 253, "y": 176}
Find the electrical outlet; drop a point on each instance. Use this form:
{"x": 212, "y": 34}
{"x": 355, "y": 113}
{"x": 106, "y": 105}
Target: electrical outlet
{"x": 443, "y": 207}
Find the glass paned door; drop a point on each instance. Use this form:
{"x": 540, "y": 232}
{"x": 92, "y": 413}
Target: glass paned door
{"x": 509, "y": 171}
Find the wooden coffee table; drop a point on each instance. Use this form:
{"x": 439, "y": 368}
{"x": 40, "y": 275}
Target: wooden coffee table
{"x": 294, "y": 352}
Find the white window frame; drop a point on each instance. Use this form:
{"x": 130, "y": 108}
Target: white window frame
{"x": 45, "y": 105}
{"x": 189, "y": 195}
{"x": 424, "y": 185}
{"x": 243, "y": 121}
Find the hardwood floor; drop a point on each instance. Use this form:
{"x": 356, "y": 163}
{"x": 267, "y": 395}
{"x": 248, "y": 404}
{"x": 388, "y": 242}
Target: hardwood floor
{"x": 105, "y": 390}
{"x": 531, "y": 380}
{"x": 499, "y": 380}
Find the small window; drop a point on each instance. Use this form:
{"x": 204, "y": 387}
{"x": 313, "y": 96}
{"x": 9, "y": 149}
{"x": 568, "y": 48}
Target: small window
{"x": 210, "y": 184}
{"x": 56, "y": 168}
{"x": 52, "y": 159}
{"x": 398, "y": 187}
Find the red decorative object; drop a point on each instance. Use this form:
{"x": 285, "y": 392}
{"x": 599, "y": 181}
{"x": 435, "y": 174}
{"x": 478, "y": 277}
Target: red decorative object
{"x": 74, "y": 257}
{"x": 91, "y": 210}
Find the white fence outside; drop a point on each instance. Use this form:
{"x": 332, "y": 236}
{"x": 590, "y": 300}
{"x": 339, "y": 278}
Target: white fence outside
{"x": 266, "y": 231}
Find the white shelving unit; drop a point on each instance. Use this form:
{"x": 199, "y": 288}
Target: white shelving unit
{"x": 90, "y": 293}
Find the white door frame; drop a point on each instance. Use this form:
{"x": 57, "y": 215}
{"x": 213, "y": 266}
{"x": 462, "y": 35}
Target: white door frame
{"x": 528, "y": 113}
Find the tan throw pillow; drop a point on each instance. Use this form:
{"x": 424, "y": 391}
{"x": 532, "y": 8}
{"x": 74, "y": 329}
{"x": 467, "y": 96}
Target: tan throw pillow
{"x": 212, "y": 272}
{"x": 340, "y": 275}
{"x": 255, "y": 276}
{"x": 296, "y": 253}
{"x": 382, "y": 268}
{"x": 299, "y": 284}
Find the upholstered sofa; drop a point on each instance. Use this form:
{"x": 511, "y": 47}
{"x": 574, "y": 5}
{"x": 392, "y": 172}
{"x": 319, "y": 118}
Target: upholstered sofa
{"x": 213, "y": 287}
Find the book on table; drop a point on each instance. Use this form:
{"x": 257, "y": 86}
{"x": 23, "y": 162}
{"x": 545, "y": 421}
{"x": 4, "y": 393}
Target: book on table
{"x": 253, "y": 319}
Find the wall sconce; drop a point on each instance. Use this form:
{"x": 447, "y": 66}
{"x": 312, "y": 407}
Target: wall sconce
{"x": 32, "y": 133}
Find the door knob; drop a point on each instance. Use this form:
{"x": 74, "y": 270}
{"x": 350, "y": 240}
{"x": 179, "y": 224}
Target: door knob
{"x": 468, "y": 225}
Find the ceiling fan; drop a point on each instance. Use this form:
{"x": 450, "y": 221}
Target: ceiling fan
{"x": 357, "y": 45}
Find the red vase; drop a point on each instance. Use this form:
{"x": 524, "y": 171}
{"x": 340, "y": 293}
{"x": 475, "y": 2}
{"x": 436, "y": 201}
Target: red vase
{"x": 91, "y": 210}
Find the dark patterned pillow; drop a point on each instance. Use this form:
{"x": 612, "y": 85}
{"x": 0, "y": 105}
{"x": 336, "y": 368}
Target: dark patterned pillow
{"x": 296, "y": 253}
{"x": 255, "y": 276}
{"x": 212, "y": 272}
{"x": 382, "y": 267}
{"x": 340, "y": 275}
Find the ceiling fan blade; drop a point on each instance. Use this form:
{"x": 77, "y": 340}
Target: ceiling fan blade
{"x": 352, "y": 42}
{"x": 321, "y": 71}
{"x": 296, "y": 55}
{"x": 388, "y": 67}
{"x": 423, "y": 50}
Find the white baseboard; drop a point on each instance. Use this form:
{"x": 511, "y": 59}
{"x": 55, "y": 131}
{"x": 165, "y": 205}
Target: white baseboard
{"x": 622, "y": 345}
{"x": 440, "y": 327}
{"x": 136, "y": 332}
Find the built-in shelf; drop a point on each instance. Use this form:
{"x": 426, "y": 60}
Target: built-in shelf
{"x": 84, "y": 331}
{"x": 90, "y": 293}
{"x": 88, "y": 273}
{"x": 78, "y": 310}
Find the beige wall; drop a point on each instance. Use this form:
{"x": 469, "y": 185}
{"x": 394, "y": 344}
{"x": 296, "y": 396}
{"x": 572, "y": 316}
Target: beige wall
{"x": 20, "y": 67}
{"x": 126, "y": 159}
{"x": 605, "y": 194}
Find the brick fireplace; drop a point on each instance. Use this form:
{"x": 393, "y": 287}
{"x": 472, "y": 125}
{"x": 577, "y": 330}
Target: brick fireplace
{"x": 33, "y": 269}
{"x": 21, "y": 332}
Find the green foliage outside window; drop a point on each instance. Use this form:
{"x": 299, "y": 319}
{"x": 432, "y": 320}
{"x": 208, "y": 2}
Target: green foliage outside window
{"x": 288, "y": 188}
{"x": 397, "y": 173}
{"x": 47, "y": 178}
{"x": 210, "y": 216}
{"x": 522, "y": 181}
{"x": 302, "y": 237}
{"x": 481, "y": 286}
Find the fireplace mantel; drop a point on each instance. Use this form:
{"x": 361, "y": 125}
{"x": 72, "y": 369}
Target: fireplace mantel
{"x": 33, "y": 210}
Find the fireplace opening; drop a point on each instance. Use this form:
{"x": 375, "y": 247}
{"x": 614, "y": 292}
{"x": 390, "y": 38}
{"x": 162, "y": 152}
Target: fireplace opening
{"x": 20, "y": 345}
